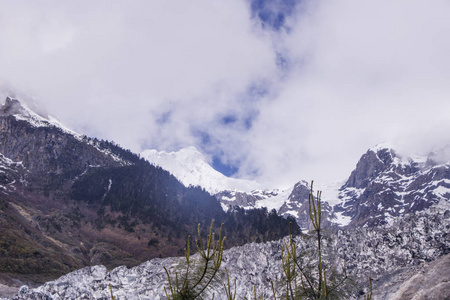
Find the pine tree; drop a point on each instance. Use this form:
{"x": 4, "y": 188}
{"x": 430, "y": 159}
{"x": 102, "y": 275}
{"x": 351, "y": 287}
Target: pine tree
{"x": 198, "y": 274}
{"x": 303, "y": 281}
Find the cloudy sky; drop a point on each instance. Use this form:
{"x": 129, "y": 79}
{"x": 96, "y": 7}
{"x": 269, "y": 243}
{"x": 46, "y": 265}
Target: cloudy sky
{"x": 272, "y": 90}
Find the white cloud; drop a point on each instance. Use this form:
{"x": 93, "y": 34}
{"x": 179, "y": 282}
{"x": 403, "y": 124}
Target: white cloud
{"x": 162, "y": 73}
{"x": 110, "y": 67}
{"x": 366, "y": 72}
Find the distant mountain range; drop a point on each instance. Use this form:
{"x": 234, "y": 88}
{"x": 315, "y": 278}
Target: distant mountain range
{"x": 384, "y": 185}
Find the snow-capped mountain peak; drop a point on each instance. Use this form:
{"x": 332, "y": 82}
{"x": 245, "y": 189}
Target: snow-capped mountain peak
{"x": 191, "y": 168}
{"x": 385, "y": 185}
{"x": 21, "y": 111}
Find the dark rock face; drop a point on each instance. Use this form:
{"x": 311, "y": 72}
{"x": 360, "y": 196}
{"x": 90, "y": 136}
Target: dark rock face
{"x": 48, "y": 153}
{"x": 369, "y": 167}
{"x": 51, "y": 156}
{"x": 385, "y": 185}
{"x": 10, "y": 173}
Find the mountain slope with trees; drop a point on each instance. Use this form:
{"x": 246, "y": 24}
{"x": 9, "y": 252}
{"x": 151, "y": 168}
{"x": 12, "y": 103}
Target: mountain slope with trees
{"x": 68, "y": 201}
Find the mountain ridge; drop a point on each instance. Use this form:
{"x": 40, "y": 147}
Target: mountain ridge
{"x": 384, "y": 185}
{"x": 67, "y": 201}
{"x": 379, "y": 171}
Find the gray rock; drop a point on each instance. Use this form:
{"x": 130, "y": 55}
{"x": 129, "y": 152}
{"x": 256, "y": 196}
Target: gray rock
{"x": 429, "y": 282}
{"x": 8, "y": 291}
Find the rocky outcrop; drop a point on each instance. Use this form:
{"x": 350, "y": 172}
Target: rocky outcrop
{"x": 297, "y": 205}
{"x": 370, "y": 165}
{"x": 11, "y": 107}
{"x": 290, "y": 203}
{"x": 47, "y": 150}
{"x": 385, "y": 185}
{"x": 8, "y": 291}
{"x": 235, "y": 198}
{"x": 430, "y": 281}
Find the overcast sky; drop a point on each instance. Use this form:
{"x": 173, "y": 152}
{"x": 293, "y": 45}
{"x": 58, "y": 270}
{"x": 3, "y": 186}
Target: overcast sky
{"x": 276, "y": 91}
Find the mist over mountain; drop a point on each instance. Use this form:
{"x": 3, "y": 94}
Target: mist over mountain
{"x": 191, "y": 168}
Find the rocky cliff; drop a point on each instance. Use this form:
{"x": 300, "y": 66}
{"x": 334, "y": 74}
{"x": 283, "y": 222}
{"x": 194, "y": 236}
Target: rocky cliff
{"x": 385, "y": 185}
